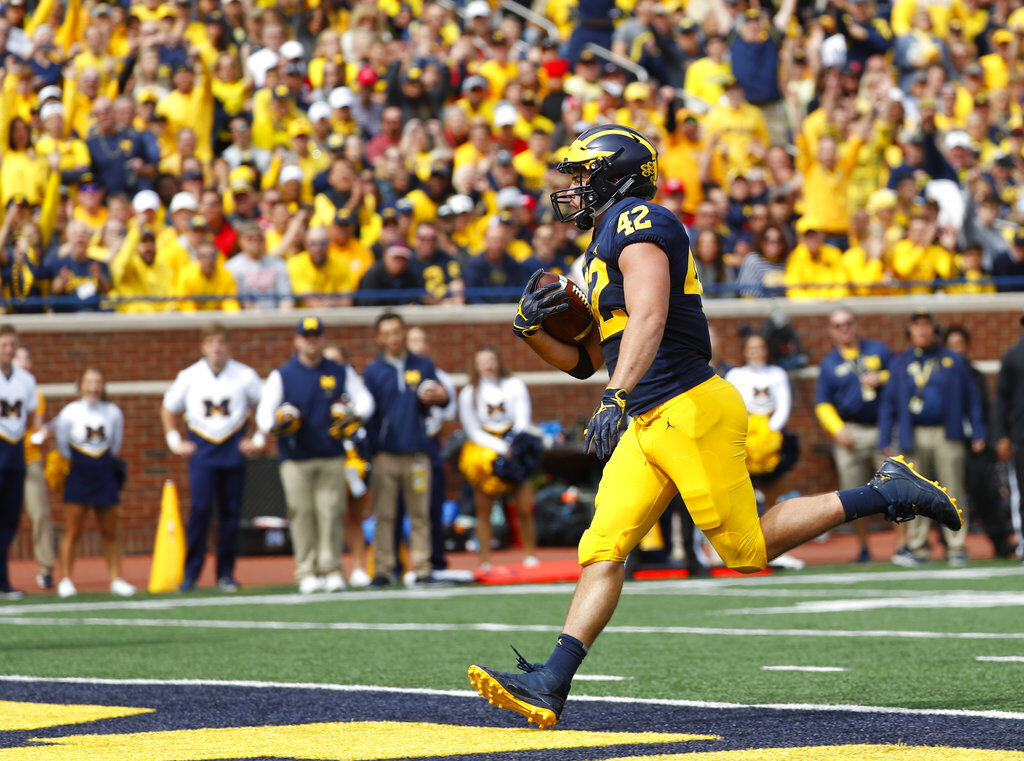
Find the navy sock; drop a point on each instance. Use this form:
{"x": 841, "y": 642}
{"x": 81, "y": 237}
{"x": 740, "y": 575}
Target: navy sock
{"x": 566, "y": 657}
{"x": 861, "y": 501}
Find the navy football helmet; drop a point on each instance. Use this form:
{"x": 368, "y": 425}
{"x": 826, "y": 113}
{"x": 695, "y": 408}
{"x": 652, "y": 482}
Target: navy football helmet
{"x": 620, "y": 162}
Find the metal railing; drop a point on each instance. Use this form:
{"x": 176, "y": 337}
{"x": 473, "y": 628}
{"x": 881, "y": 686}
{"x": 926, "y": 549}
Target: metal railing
{"x": 635, "y": 69}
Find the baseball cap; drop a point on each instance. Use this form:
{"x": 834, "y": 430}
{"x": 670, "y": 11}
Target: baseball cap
{"x": 50, "y": 92}
{"x": 404, "y": 206}
{"x": 388, "y": 215}
{"x": 957, "y": 139}
{"x": 281, "y": 92}
{"x": 415, "y": 74}
{"x": 921, "y": 314}
{"x": 807, "y": 224}
{"x": 335, "y": 142}
{"x": 587, "y": 56}
{"x": 299, "y": 127}
{"x": 637, "y": 91}
{"x": 240, "y": 185}
{"x": 399, "y": 249}
{"x": 461, "y": 203}
{"x": 475, "y": 82}
{"x": 87, "y": 182}
{"x": 505, "y": 115}
{"x": 51, "y": 109}
{"x": 974, "y": 70}
{"x": 612, "y": 87}
{"x": 883, "y": 198}
{"x": 367, "y": 75}
{"x": 192, "y": 174}
{"x": 342, "y": 97}
{"x": 556, "y": 67}
{"x": 183, "y": 202}
{"x": 310, "y": 326}
{"x": 344, "y": 217}
{"x": 503, "y": 157}
{"x": 1002, "y": 36}
{"x": 478, "y": 9}
{"x": 673, "y": 185}
{"x": 318, "y": 111}
{"x": 291, "y": 172}
{"x": 292, "y": 50}
{"x": 508, "y": 198}
{"x": 145, "y": 200}
{"x": 198, "y": 222}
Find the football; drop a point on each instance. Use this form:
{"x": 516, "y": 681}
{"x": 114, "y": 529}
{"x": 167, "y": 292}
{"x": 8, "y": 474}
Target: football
{"x": 575, "y": 323}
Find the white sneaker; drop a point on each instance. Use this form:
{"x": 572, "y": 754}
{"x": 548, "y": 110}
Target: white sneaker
{"x": 359, "y": 579}
{"x": 530, "y": 561}
{"x": 787, "y": 561}
{"x": 311, "y": 584}
{"x": 334, "y": 582}
{"x": 66, "y": 588}
{"x": 409, "y": 578}
{"x": 121, "y": 588}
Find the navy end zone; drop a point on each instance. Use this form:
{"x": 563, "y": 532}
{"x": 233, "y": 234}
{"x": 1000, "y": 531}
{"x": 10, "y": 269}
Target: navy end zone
{"x": 271, "y": 722}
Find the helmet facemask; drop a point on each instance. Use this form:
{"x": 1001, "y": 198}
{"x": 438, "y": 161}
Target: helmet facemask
{"x": 584, "y": 201}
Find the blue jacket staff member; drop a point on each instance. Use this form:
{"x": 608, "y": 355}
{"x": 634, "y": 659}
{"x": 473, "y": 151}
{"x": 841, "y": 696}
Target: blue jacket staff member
{"x": 216, "y": 395}
{"x": 925, "y": 403}
{"x": 405, "y": 387}
{"x": 18, "y": 413}
{"x": 846, "y": 404}
{"x": 688, "y": 428}
{"x": 312, "y": 404}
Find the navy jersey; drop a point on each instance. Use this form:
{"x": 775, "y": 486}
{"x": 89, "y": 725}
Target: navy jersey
{"x": 685, "y": 351}
{"x": 438, "y": 273}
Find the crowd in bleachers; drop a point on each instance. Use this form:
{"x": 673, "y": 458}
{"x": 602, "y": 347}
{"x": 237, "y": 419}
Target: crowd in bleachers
{"x": 203, "y": 155}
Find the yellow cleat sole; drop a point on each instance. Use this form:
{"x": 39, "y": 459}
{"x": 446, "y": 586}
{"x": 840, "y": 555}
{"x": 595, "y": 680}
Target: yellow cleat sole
{"x": 496, "y": 695}
{"x": 910, "y": 467}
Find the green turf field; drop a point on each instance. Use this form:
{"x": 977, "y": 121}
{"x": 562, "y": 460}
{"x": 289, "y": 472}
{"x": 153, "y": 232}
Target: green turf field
{"x": 875, "y": 637}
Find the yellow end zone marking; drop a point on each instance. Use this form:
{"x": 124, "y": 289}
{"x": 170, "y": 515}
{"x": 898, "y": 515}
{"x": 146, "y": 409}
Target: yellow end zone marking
{"x": 336, "y": 741}
{"x": 14, "y": 715}
{"x": 842, "y": 753}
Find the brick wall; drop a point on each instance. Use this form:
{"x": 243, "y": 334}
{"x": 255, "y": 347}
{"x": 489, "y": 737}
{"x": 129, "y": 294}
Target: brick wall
{"x": 129, "y": 349}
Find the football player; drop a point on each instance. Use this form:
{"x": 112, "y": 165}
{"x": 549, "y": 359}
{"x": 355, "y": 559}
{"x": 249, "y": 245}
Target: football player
{"x": 688, "y": 425}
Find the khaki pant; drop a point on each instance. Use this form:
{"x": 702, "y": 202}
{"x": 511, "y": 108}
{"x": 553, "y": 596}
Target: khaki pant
{"x": 857, "y": 464}
{"x": 315, "y": 493}
{"x": 936, "y": 457}
{"x": 37, "y": 505}
{"x": 410, "y": 474}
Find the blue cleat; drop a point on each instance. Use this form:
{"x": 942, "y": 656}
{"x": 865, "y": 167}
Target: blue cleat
{"x": 910, "y": 494}
{"x": 537, "y": 694}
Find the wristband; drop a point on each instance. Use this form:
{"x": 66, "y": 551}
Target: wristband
{"x": 259, "y": 440}
{"x": 173, "y": 438}
{"x": 584, "y": 365}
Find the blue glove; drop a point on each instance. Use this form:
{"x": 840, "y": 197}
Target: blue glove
{"x": 536, "y": 305}
{"x": 607, "y": 424}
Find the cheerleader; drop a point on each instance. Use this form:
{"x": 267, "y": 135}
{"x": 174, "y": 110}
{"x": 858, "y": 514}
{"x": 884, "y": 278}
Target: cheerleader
{"x": 493, "y": 407}
{"x": 89, "y": 433}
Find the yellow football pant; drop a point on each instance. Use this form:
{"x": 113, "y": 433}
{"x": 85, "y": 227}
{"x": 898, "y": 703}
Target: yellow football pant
{"x": 693, "y": 444}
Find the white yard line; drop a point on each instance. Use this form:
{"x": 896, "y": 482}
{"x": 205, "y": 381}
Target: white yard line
{"x": 1000, "y": 658}
{"x": 803, "y": 668}
{"x": 188, "y": 623}
{"x": 600, "y": 678}
{"x": 731, "y": 586}
{"x": 1005, "y": 715}
{"x": 935, "y": 599}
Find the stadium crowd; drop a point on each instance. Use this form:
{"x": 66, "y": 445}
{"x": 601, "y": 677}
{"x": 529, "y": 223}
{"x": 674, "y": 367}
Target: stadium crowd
{"x": 201, "y": 155}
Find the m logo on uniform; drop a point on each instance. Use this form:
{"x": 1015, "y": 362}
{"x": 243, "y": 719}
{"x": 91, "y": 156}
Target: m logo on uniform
{"x": 95, "y": 433}
{"x": 7, "y": 409}
{"x": 223, "y": 407}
